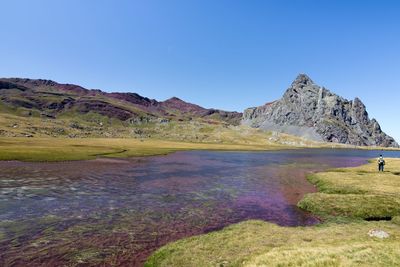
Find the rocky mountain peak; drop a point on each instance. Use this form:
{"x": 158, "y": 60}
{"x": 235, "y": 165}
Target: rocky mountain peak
{"x": 174, "y": 99}
{"x": 179, "y": 104}
{"x": 302, "y": 80}
{"x": 313, "y": 112}
{"x": 358, "y": 103}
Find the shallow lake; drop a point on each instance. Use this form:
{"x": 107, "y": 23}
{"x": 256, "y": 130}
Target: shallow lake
{"x": 116, "y": 212}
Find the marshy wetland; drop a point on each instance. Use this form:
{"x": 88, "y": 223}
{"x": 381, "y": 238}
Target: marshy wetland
{"x": 118, "y": 211}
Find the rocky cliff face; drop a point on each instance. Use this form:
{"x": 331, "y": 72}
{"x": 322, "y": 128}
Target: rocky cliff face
{"x": 313, "y": 112}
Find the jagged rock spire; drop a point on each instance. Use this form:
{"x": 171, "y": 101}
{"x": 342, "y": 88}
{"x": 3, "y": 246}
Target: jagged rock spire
{"x": 302, "y": 80}
{"x": 313, "y": 112}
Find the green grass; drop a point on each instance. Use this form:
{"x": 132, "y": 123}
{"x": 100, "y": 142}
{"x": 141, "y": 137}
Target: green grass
{"x": 346, "y": 197}
{"x": 356, "y": 192}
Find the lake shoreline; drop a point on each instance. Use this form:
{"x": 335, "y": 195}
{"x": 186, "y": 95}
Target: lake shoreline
{"x": 345, "y": 228}
{"x": 63, "y": 149}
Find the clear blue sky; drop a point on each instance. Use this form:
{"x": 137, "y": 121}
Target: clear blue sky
{"x": 222, "y": 54}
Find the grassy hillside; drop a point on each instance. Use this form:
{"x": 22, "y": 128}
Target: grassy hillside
{"x": 41, "y": 120}
{"x": 43, "y": 109}
{"x": 346, "y": 198}
{"x": 94, "y": 112}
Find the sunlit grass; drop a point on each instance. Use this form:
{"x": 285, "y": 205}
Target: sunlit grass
{"x": 258, "y": 243}
{"x": 58, "y": 149}
{"x": 357, "y": 192}
{"x": 73, "y": 136}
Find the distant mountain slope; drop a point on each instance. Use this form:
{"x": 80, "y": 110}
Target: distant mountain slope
{"x": 36, "y": 107}
{"x": 313, "y": 112}
{"x": 52, "y": 99}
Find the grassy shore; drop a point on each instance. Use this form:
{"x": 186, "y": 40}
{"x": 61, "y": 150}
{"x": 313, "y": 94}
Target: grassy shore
{"x": 65, "y": 149}
{"x": 359, "y": 192}
{"x": 347, "y": 197}
{"x": 61, "y": 149}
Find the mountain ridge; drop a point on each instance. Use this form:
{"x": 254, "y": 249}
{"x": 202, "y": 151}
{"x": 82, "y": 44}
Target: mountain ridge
{"x": 306, "y": 110}
{"x": 85, "y": 100}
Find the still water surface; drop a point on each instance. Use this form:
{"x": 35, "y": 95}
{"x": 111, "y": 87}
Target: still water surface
{"x": 119, "y": 211}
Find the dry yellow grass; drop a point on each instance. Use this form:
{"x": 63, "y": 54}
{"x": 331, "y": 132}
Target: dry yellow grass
{"x": 56, "y": 149}
{"x": 257, "y": 243}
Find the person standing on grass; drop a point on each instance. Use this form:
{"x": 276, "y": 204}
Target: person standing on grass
{"x": 381, "y": 163}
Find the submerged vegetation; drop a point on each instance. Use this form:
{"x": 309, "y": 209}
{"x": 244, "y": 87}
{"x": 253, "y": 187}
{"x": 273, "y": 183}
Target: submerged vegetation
{"x": 352, "y": 201}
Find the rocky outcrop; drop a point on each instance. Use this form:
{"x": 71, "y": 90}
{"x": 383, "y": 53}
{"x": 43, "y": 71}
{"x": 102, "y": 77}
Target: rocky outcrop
{"x": 315, "y": 113}
{"x": 4, "y": 85}
{"x": 134, "y": 99}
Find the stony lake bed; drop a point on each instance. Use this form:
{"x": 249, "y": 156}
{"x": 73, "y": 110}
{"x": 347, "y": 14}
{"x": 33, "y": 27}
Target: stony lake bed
{"x": 118, "y": 211}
